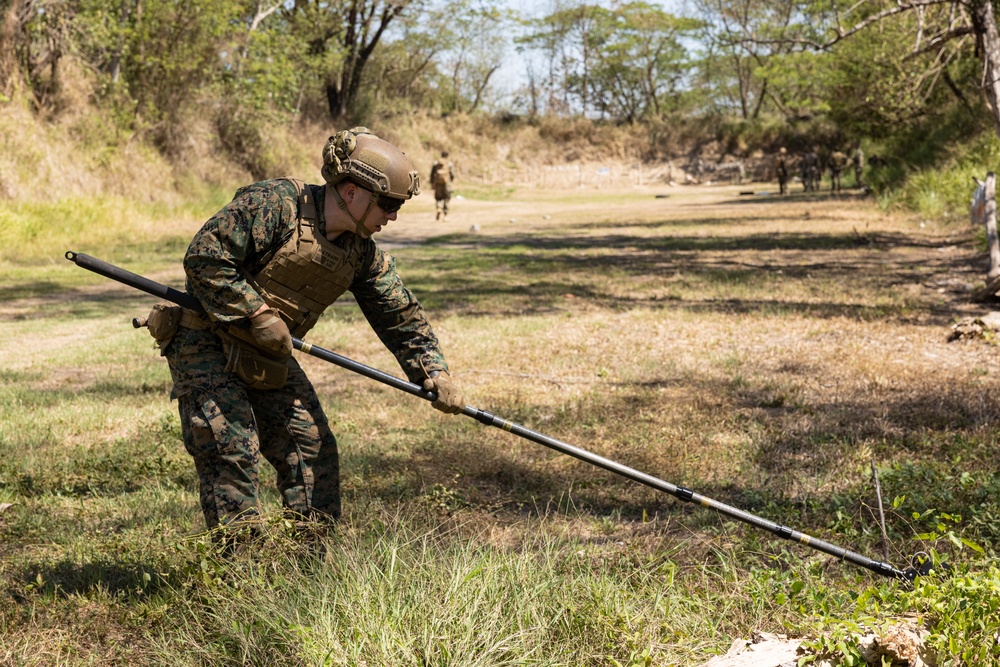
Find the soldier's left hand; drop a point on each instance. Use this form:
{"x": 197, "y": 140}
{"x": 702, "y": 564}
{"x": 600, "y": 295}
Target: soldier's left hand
{"x": 449, "y": 396}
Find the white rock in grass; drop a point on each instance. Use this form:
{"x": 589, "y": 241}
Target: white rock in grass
{"x": 764, "y": 650}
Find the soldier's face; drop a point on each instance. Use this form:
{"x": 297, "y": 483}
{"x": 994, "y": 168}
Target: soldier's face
{"x": 376, "y": 218}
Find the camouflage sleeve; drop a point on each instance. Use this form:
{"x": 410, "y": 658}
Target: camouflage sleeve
{"x": 396, "y": 316}
{"x": 231, "y": 245}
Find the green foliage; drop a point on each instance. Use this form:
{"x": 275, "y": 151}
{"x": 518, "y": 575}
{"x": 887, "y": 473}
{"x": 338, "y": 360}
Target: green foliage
{"x": 959, "y": 609}
{"x": 936, "y": 177}
{"x": 626, "y": 63}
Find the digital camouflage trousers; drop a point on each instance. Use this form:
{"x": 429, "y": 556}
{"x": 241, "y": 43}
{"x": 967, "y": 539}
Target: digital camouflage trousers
{"x": 227, "y": 427}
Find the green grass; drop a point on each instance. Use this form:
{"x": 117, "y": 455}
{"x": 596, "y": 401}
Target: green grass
{"x": 485, "y": 192}
{"x": 41, "y": 231}
{"x": 757, "y": 357}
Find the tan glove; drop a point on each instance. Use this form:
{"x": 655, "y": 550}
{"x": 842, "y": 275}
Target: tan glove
{"x": 449, "y": 396}
{"x": 270, "y": 332}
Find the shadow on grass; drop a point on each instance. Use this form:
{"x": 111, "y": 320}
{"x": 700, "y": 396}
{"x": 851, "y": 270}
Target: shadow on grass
{"x": 105, "y": 390}
{"x": 530, "y": 274}
{"x": 67, "y": 578}
{"x": 51, "y": 301}
{"x": 795, "y": 196}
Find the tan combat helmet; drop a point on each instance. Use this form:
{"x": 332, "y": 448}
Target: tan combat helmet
{"x": 373, "y": 163}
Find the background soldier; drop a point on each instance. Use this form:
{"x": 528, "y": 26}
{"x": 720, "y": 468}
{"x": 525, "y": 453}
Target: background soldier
{"x": 781, "y": 169}
{"x": 442, "y": 175}
{"x": 837, "y": 163}
{"x": 810, "y": 170}
{"x": 265, "y": 267}
{"x": 858, "y": 159}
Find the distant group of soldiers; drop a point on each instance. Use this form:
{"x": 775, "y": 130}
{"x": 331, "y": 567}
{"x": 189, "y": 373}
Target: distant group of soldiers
{"x": 811, "y": 168}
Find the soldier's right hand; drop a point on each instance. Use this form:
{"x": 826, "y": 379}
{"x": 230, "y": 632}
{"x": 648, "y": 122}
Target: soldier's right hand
{"x": 270, "y": 332}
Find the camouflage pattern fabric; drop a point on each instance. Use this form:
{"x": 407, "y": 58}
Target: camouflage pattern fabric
{"x": 226, "y": 425}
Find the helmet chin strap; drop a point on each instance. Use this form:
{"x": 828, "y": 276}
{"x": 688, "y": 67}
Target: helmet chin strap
{"x": 359, "y": 224}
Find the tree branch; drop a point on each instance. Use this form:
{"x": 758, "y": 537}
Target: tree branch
{"x": 938, "y": 41}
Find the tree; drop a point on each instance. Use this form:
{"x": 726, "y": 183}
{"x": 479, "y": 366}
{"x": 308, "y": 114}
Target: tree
{"x": 752, "y": 58}
{"x": 34, "y": 38}
{"x": 642, "y": 65}
{"x": 350, "y": 31}
{"x": 568, "y": 39}
{"x": 475, "y": 41}
{"x": 941, "y": 28}
{"x": 622, "y": 62}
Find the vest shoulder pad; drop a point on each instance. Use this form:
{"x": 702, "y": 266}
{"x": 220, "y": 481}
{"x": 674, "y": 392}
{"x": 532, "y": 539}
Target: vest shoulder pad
{"x": 307, "y": 203}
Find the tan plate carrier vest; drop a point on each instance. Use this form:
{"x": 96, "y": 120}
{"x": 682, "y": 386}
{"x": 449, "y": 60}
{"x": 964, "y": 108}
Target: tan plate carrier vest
{"x": 308, "y": 273}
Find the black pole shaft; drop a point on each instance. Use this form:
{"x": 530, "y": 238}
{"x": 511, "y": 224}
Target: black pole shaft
{"x": 490, "y": 419}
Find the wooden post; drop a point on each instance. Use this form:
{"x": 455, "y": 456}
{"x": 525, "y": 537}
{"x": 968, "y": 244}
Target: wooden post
{"x": 991, "y": 226}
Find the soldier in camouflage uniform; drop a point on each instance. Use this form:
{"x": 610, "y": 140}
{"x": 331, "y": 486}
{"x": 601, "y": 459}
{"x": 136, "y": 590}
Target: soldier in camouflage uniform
{"x": 442, "y": 176}
{"x": 264, "y": 268}
{"x": 837, "y": 163}
{"x": 781, "y": 170}
{"x": 810, "y": 170}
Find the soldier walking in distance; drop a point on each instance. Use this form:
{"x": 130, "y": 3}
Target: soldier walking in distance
{"x": 442, "y": 175}
{"x": 781, "y": 170}
{"x": 837, "y": 163}
{"x": 265, "y": 267}
{"x": 810, "y": 170}
{"x": 858, "y": 160}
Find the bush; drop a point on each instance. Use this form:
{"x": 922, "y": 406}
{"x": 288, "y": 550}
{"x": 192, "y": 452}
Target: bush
{"x": 943, "y": 189}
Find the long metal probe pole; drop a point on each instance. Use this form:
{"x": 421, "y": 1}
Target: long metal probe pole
{"x": 490, "y": 419}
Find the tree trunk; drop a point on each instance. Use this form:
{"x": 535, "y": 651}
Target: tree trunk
{"x": 991, "y": 226}
{"x": 984, "y": 22}
{"x": 336, "y": 102}
{"x": 8, "y": 55}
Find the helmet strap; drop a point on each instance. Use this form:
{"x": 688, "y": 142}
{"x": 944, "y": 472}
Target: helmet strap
{"x": 359, "y": 224}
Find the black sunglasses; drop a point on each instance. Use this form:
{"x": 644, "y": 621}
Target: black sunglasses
{"x": 390, "y": 204}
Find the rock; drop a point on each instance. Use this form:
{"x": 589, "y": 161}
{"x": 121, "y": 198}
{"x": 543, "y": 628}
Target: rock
{"x": 969, "y": 328}
{"x": 763, "y": 650}
{"x": 897, "y": 645}
{"x": 474, "y": 228}
{"x": 991, "y": 320}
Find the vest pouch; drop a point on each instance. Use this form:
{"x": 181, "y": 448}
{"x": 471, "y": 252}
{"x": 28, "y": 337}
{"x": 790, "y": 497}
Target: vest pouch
{"x": 256, "y": 369}
{"x": 163, "y": 319}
